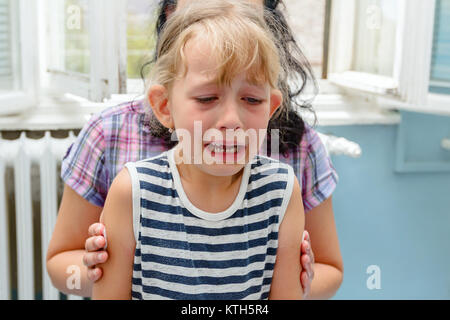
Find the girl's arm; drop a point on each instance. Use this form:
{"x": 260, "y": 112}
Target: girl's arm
{"x": 286, "y": 280}
{"x": 117, "y": 216}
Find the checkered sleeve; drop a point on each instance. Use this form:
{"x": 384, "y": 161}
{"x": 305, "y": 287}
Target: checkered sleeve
{"x": 83, "y": 166}
{"x": 319, "y": 178}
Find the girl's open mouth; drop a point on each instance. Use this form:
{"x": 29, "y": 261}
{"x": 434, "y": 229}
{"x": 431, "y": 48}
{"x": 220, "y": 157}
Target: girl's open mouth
{"x": 229, "y": 153}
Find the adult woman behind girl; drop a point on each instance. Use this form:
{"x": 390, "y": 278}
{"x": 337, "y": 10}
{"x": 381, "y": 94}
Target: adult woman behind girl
{"x": 115, "y": 136}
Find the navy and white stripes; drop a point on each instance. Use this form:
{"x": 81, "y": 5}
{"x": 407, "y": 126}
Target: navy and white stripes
{"x": 183, "y": 252}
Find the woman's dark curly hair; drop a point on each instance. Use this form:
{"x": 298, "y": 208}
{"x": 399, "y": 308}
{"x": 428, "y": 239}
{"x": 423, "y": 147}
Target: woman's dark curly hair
{"x": 293, "y": 81}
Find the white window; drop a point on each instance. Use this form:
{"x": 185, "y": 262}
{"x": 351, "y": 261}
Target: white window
{"x": 8, "y": 53}
{"x": 363, "y": 44}
{"x": 440, "y": 64}
{"x": 18, "y": 80}
{"x": 85, "y": 47}
{"x": 392, "y": 51}
{"x": 97, "y": 48}
{"x": 439, "y": 97}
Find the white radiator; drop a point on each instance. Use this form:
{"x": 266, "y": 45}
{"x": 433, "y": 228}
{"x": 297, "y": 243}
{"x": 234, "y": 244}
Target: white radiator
{"x": 21, "y": 156}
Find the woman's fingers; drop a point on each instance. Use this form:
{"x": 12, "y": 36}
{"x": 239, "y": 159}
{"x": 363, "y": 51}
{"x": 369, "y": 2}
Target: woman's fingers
{"x": 308, "y": 247}
{"x": 306, "y": 284}
{"x": 94, "y": 274}
{"x": 92, "y": 255}
{"x": 307, "y": 256}
{"x": 307, "y": 266}
{"x": 94, "y": 243}
{"x": 307, "y": 261}
{"x": 91, "y": 259}
{"x": 95, "y": 254}
{"x": 96, "y": 229}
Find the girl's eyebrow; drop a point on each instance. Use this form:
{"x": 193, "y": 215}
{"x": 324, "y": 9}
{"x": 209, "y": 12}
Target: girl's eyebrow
{"x": 254, "y": 87}
{"x": 204, "y": 84}
{"x": 208, "y": 83}
{"x": 213, "y": 86}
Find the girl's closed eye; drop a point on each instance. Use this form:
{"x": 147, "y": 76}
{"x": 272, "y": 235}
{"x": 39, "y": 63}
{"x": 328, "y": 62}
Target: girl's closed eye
{"x": 206, "y": 100}
{"x": 252, "y": 100}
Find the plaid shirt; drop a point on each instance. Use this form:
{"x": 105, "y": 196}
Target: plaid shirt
{"x": 120, "y": 134}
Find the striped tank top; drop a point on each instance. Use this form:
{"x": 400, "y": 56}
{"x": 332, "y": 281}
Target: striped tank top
{"x": 183, "y": 252}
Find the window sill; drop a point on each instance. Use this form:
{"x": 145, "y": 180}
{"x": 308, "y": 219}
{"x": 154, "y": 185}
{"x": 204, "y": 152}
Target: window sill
{"x": 341, "y": 110}
{"x": 16, "y": 101}
{"x": 71, "y": 113}
{"x": 53, "y": 112}
{"x": 438, "y": 104}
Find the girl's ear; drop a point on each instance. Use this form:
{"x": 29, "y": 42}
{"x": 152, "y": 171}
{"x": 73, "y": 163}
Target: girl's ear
{"x": 158, "y": 98}
{"x": 276, "y": 99}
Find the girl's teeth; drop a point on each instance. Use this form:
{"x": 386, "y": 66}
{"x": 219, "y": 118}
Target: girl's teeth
{"x": 218, "y": 148}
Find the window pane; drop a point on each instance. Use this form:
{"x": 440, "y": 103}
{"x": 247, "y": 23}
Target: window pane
{"x": 440, "y": 65}
{"x": 308, "y": 29}
{"x": 77, "y": 36}
{"x": 375, "y": 36}
{"x": 68, "y": 30}
{"x": 9, "y": 73}
{"x": 141, "y": 39}
{"x": 307, "y": 20}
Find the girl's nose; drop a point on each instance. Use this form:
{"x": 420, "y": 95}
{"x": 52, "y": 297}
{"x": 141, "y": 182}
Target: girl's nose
{"x": 229, "y": 117}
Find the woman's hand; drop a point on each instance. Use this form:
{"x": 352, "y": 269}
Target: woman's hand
{"x": 95, "y": 253}
{"x": 307, "y": 261}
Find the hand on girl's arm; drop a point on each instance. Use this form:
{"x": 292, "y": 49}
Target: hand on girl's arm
{"x": 286, "y": 281}
{"x": 307, "y": 260}
{"x": 117, "y": 217}
{"x": 95, "y": 252}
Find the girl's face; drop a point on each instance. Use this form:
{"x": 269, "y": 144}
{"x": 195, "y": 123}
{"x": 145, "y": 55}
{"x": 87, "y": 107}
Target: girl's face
{"x": 202, "y": 112}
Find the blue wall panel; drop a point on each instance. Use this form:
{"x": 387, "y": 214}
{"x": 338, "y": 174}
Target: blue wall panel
{"x": 399, "y": 222}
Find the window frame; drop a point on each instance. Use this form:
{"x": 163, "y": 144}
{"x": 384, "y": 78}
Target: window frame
{"x": 110, "y": 39}
{"x": 25, "y": 57}
{"x": 107, "y": 45}
{"x": 408, "y": 88}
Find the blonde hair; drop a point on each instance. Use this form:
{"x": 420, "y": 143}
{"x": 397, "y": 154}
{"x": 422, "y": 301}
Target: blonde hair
{"x": 237, "y": 34}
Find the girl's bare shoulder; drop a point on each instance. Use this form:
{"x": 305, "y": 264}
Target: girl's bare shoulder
{"x": 119, "y": 199}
